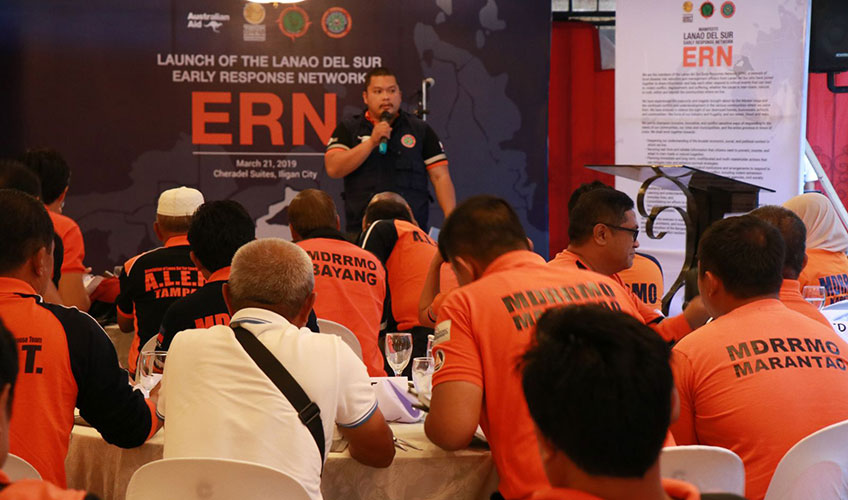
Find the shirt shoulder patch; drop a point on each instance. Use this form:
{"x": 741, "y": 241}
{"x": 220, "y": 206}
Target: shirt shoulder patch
{"x": 442, "y": 333}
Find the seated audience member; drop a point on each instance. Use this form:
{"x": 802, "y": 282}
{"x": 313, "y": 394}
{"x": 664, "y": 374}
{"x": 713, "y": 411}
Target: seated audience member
{"x": 55, "y": 176}
{"x": 217, "y": 230}
{"x": 645, "y": 276}
{"x": 406, "y": 251}
{"x": 827, "y": 242}
{"x": 794, "y": 234}
{"x": 350, "y": 283}
{"x": 599, "y": 389}
{"x": 760, "y": 376}
{"x": 602, "y": 230}
{"x": 152, "y": 281}
{"x": 486, "y": 324}
{"x": 15, "y": 175}
{"x": 26, "y": 489}
{"x": 645, "y": 279}
{"x": 217, "y": 402}
{"x": 67, "y": 359}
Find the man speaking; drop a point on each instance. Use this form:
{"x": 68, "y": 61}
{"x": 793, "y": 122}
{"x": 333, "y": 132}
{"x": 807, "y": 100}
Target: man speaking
{"x": 387, "y": 149}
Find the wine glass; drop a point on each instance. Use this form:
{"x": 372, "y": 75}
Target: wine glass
{"x": 150, "y": 367}
{"x": 815, "y": 295}
{"x": 398, "y": 351}
{"x": 422, "y": 376}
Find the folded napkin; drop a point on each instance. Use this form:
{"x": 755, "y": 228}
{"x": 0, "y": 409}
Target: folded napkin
{"x": 394, "y": 399}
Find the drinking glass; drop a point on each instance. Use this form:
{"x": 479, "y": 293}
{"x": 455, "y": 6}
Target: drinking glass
{"x": 150, "y": 366}
{"x": 398, "y": 350}
{"x": 422, "y": 376}
{"x": 815, "y": 295}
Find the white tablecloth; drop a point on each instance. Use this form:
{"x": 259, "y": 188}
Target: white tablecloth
{"x": 104, "y": 469}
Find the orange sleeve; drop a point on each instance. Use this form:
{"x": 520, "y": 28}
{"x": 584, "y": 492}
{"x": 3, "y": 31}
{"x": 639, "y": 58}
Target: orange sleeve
{"x": 672, "y": 329}
{"x": 683, "y": 429}
{"x": 74, "y": 251}
{"x": 454, "y": 347}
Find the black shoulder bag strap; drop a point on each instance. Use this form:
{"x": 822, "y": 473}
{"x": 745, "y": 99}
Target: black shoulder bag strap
{"x": 307, "y": 410}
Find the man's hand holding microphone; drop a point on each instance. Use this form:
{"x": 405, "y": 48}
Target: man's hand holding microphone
{"x": 381, "y": 132}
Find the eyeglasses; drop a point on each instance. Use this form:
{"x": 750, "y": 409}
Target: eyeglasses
{"x": 635, "y": 232}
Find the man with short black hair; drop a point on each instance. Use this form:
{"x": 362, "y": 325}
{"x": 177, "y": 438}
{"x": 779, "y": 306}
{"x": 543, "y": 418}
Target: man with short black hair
{"x": 55, "y": 176}
{"x": 15, "y": 175}
{"x": 217, "y": 402}
{"x": 350, "y": 282}
{"x": 600, "y": 391}
{"x": 759, "y": 377}
{"x": 410, "y": 155}
{"x": 603, "y": 232}
{"x": 218, "y": 229}
{"x": 794, "y": 234}
{"x": 68, "y": 360}
{"x": 485, "y": 324}
{"x": 152, "y": 281}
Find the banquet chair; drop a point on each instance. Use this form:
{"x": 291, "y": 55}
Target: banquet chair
{"x": 343, "y": 332}
{"x": 816, "y": 467}
{"x": 211, "y": 479}
{"x": 17, "y": 468}
{"x": 710, "y": 468}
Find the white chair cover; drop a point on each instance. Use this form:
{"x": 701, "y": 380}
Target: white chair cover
{"x": 211, "y": 479}
{"x": 816, "y": 467}
{"x": 711, "y": 468}
{"x": 17, "y": 468}
{"x": 341, "y": 331}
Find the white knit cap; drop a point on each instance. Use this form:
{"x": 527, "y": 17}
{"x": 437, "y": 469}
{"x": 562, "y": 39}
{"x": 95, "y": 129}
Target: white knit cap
{"x": 179, "y": 202}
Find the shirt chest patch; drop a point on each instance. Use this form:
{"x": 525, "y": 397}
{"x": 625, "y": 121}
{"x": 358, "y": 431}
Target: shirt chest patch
{"x": 408, "y": 140}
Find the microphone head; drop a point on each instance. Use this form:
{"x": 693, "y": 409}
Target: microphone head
{"x": 385, "y": 116}
{"x": 430, "y": 81}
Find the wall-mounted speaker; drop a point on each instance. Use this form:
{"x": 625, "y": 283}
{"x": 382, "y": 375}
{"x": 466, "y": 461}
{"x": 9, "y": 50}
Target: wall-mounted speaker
{"x": 829, "y": 36}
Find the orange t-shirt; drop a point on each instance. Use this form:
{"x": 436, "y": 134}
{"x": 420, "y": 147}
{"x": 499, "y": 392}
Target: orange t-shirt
{"x": 824, "y": 268}
{"x": 486, "y": 325}
{"x": 406, "y": 251}
{"x": 790, "y": 295}
{"x": 71, "y": 236}
{"x": 670, "y": 329}
{"x": 350, "y": 284}
{"x": 645, "y": 280}
{"x": 66, "y": 360}
{"x": 756, "y": 381}
{"x": 676, "y": 489}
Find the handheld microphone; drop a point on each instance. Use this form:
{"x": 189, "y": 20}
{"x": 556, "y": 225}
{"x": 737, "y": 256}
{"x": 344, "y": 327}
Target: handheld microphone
{"x": 429, "y": 82}
{"x": 385, "y": 117}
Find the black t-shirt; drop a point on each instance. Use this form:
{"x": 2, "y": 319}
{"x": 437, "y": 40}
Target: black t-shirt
{"x": 202, "y": 309}
{"x": 153, "y": 281}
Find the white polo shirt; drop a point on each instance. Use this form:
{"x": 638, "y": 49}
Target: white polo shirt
{"x": 218, "y": 403}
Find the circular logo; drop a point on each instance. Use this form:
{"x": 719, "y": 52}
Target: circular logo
{"x": 336, "y": 22}
{"x": 707, "y": 9}
{"x": 408, "y": 140}
{"x": 440, "y": 360}
{"x": 293, "y": 22}
{"x": 687, "y": 6}
{"x": 254, "y": 13}
{"x": 728, "y": 9}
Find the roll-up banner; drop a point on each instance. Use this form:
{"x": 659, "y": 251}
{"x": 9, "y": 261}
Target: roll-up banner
{"x": 716, "y": 85}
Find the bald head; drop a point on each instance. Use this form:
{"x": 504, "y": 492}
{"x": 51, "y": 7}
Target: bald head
{"x": 272, "y": 274}
{"x": 387, "y": 205}
{"x": 312, "y": 209}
